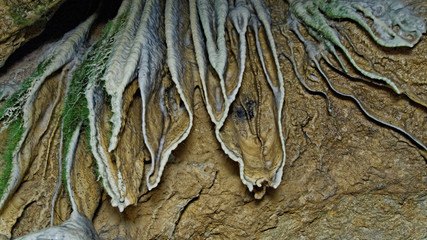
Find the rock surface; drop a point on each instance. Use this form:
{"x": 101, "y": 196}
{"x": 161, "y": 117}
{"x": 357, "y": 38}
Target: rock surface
{"x": 20, "y": 21}
{"x": 346, "y": 177}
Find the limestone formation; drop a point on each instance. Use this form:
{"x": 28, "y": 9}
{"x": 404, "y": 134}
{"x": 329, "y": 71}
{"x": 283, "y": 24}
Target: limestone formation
{"x": 140, "y": 126}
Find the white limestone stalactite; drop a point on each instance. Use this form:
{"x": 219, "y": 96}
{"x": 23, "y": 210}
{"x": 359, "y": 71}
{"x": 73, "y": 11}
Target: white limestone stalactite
{"x": 69, "y": 159}
{"x": 95, "y": 101}
{"x": 278, "y": 87}
{"x": 149, "y": 79}
{"x": 220, "y": 88}
{"x": 211, "y": 20}
{"x": 121, "y": 67}
{"x": 167, "y": 102}
{"x": 212, "y": 90}
{"x": 95, "y": 97}
{"x": 239, "y": 15}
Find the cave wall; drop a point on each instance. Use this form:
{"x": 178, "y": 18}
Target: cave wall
{"x": 345, "y": 175}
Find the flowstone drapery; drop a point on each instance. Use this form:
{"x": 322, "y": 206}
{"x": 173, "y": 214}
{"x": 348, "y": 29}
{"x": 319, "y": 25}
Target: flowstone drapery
{"x": 227, "y": 49}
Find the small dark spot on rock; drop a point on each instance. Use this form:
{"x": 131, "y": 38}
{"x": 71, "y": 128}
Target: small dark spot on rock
{"x": 240, "y": 112}
{"x": 250, "y": 105}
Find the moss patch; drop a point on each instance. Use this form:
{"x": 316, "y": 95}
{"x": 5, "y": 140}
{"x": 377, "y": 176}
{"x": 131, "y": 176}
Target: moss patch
{"x": 90, "y": 70}
{"x": 19, "y": 15}
{"x": 13, "y": 136}
{"x": 13, "y": 105}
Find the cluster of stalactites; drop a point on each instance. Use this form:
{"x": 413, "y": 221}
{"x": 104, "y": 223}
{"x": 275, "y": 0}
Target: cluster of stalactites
{"x": 16, "y": 114}
{"x": 230, "y": 45}
{"x": 218, "y": 31}
{"x": 389, "y": 23}
{"x": 163, "y": 43}
{"x": 241, "y": 51}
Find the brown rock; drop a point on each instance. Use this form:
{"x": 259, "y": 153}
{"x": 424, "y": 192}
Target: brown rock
{"x": 22, "y": 21}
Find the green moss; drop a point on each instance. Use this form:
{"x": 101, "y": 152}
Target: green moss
{"x": 90, "y": 70}
{"x": 11, "y": 114}
{"x": 75, "y": 108}
{"x": 20, "y": 12}
{"x": 92, "y": 67}
{"x": 41, "y": 10}
{"x": 19, "y": 15}
{"x": 96, "y": 171}
{"x": 98, "y": 175}
{"x": 13, "y": 105}
{"x": 14, "y": 135}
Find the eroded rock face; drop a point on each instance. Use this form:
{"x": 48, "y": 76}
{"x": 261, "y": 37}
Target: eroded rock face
{"x": 134, "y": 128}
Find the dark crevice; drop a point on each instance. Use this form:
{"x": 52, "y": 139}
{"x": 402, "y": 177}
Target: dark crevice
{"x": 184, "y": 209}
{"x": 67, "y": 17}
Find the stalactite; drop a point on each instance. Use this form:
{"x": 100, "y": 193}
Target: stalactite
{"x": 150, "y": 82}
{"x": 175, "y": 96}
{"x": 103, "y": 54}
{"x": 122, "y": 65}
{"x": 313, "y": 15}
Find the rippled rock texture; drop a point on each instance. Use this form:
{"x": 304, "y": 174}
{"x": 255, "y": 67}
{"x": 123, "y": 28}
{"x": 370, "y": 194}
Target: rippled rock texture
{"x": 218, "y": 119}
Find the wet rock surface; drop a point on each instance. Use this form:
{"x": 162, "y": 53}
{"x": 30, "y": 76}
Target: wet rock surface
{"x": 345, "y": 176}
